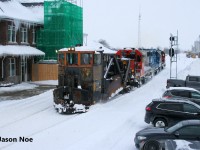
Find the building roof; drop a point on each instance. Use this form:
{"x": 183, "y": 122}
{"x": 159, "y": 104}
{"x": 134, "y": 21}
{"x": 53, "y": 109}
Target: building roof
{"x": 16, "y": 50}
{"x": 15, "y": 10}
{"x": 93, "y": 46}
{"x": 183, "y": 88}
{"x": 30, "y": 1}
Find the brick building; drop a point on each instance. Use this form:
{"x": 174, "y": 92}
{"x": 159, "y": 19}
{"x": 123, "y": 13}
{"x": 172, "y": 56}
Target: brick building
{"x": 18, "y": 27}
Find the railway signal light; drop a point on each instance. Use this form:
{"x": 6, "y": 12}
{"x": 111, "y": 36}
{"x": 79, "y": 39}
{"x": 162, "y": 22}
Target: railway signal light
{"x": 171, "y": 38}
{"x": 171, "y": 52}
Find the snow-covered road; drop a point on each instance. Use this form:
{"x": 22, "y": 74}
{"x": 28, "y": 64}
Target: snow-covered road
{"x": 108, "y": 126}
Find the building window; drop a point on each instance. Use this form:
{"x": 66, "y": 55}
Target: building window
{"x": 11, "y": 33}
{"x": 12, "y": 66}
{"x": 24, "y": 35}
{"x": 33, "y": 42}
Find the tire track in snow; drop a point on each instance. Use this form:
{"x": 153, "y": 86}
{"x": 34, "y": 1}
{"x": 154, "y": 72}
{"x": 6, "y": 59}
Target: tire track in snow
{"x": 42, "y": 129}
{"x": 15, "y": 121}
{"x": 15, "y": 113}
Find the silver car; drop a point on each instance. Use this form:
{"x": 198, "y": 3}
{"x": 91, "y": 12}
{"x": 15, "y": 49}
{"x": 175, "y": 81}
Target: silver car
{"x": 182, "y": 93}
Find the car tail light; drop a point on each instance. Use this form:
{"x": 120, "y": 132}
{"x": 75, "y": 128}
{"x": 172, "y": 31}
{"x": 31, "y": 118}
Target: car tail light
{"x": 167, "y": 97}
{"x": 148, "y": 108}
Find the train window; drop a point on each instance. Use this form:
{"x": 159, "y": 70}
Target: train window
{"x": 138, "y": 58}
{"x": 97, "y": 59}
{"x": 72, "y": 58}
{"x": 86, "y": 59}
{"x": 61, "y": 59}
{"x": 106, "y": 58}
{"x": 123, "y": 54}
{"x": 193, "y": 79}
{"x": 132, "y": 55}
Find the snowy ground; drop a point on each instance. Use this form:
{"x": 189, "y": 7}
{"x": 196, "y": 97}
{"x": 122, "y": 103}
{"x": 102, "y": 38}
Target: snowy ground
{"x": 108, "y": 126}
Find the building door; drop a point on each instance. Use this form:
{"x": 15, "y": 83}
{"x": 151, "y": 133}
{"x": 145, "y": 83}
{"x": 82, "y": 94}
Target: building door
{"x": 24, "y": 69}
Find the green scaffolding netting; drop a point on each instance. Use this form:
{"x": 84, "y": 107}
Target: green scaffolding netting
{"x": 63, "y": 27}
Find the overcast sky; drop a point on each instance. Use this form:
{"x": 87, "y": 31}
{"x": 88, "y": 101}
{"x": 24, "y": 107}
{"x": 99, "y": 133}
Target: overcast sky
{"x": 116, "y": 21}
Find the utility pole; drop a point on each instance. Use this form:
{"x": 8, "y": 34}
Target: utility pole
{"x": 139, "y": 34}
{"x": 173, "y": 53}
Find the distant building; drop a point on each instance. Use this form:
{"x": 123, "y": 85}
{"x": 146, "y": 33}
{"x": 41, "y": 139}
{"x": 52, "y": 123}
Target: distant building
{"x": 18, "y": 26}
{"x": 196, "y": 46}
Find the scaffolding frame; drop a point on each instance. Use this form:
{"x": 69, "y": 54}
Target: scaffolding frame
{"x": 63, "y": 26}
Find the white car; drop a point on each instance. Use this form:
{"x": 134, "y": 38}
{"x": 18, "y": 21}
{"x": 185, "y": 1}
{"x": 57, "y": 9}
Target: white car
{"x": 182, "y": 93}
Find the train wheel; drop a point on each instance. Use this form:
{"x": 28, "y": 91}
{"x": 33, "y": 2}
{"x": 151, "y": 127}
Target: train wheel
{"x": 139, "y": 84}
{"x": 143, "y": 80}
{"x": 60, "y": 110}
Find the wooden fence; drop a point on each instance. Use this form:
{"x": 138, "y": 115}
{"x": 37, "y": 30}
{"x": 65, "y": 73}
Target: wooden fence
{"x": 44, "y": 72}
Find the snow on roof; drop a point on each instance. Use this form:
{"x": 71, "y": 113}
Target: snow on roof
{"x": 38, "y": 11}
{"x": 15, "y": 10}
{"x": 95, "y": 46}
{"x": 183, "y": 88}
{"x": 30, "y": 1}
{"x": 15, "y": 50}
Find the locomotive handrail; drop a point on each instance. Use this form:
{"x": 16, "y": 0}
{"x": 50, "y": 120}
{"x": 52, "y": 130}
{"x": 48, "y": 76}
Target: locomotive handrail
{"x": 127, "y": 71}
{"x": 118, "y": 67}
{"x": 105, "y": 75}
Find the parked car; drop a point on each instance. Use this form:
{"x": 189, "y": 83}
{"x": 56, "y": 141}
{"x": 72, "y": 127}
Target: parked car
{"x": 182, "y": 93}
{"x": 182, "y": 144}
{"x": 190, "y": 81}
{"x": 153, "y": 138}
{"x": 166, "y": 112}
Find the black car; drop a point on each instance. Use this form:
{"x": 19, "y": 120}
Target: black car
{"x": 166, "y": 112}
{"x": 182, "y": 93}
{"x": 154, "y": 138}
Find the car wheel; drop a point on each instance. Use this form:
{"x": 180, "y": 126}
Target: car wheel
{"x": 160, "y": 123}
{"x": 152, "y": 145}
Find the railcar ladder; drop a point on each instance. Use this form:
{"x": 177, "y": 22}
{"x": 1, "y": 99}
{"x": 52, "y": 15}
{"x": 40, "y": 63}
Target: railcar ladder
{"x": 127, "y": 72}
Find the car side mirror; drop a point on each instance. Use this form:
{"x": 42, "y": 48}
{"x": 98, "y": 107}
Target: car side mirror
{"x": 176, "y": 133}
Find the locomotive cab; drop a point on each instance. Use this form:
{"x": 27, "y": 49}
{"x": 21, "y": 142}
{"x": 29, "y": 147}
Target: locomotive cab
{"x": 84, "y": 78}
{"x": 76, "y": 83}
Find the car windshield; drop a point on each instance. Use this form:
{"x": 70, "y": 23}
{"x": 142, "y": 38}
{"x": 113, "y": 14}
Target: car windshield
{"x": 174, "y": 128}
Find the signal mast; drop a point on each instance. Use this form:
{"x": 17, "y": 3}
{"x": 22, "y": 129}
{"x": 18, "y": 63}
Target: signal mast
{"x": 139, "y": 34}
{"x": 173, "y": 53}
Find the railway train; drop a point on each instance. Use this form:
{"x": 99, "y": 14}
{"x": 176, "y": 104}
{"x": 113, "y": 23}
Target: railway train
{"x": 90, "y": 75}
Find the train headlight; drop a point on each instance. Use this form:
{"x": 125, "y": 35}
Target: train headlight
{"x": 71, "y": 49}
